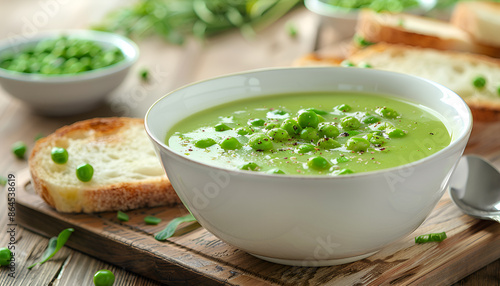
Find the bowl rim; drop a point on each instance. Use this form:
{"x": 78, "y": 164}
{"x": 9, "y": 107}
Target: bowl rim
{"x": 329, "y": 10}
{"x": 126, "y": 45}
{"x": 464, "y": 136}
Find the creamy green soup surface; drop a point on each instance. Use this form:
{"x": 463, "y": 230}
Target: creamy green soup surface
{"x": 311, "y": 134}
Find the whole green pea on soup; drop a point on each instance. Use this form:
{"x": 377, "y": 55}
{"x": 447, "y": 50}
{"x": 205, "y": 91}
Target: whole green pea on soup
{"x": 316, "y": 133}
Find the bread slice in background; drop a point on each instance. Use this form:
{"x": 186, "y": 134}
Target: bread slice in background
{"x": 480, "y": 19}
{"x": 419, "y": 31}
{"x": 127, "y": 172}
{"x": 455, "y": 70}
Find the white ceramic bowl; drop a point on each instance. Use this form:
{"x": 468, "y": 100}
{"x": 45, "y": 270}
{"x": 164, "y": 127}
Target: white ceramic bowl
{"x": 344, "y": 19}
{"x": 72, "y": 93}
{"x": 310, "y": 220}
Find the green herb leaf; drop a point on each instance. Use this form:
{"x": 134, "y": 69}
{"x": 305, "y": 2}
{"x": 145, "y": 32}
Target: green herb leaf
{"x": 431, "y": 237}
{"x": 55, "y": 244}
{"x": 122, "y": 216}
{"x": 172, "y": 226}
{"x": 152, "y": 220}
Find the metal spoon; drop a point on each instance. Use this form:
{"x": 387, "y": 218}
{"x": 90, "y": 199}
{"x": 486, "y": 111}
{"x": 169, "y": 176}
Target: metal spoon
{"x": 475, "y": 188}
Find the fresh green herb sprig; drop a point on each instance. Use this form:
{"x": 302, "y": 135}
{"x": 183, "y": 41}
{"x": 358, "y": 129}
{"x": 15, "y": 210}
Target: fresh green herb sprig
{"x": 55, "y": 244}
{"x": 174, "y": 20}
{"x": 169, "y": 230}
{"x": 431, "y": 237}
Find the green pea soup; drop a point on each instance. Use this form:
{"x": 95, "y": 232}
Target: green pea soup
{"x": 319, "y": 133}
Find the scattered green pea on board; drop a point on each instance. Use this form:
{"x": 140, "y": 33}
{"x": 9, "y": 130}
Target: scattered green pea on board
{"x": 5, "y": 256}
{"x": 19, "y": 149}
{"x": 431, "y": 237}
{"x": 55, "y": 244}
{"x": 104, "y": 277}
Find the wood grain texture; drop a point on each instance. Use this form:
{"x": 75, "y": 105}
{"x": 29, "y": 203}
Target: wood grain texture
{"x": 195, "y": 256}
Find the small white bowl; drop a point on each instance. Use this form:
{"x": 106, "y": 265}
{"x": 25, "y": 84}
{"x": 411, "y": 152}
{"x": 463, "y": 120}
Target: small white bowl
{"x": 344, "y": 19}
{"x": 68, "y": 94}
{"x": 310, "y": 220}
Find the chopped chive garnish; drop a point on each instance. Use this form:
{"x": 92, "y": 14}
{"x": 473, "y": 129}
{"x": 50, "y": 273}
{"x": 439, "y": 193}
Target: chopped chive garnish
{"x": 122, "y": 216}
{"x": 152, "y": 220}
{"x": 431, "y": 237}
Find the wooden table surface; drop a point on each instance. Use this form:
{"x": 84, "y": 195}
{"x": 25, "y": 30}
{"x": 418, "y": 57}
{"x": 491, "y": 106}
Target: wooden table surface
{"x": 170, "y": 67}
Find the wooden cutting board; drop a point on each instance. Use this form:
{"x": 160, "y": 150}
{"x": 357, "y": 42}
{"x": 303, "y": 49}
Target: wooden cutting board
{"x": 195, "y": 257}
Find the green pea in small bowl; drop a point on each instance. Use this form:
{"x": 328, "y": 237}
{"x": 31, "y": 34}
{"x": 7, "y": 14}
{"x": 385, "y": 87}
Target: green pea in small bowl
{"x": 56, "y": 83}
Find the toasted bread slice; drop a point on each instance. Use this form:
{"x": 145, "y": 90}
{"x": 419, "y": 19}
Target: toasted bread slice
{"x": 127, "y": 173}
{"x": 481, "y": 19}
{"x": 419, "y": 31}
{"x": 455, "y": 70}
